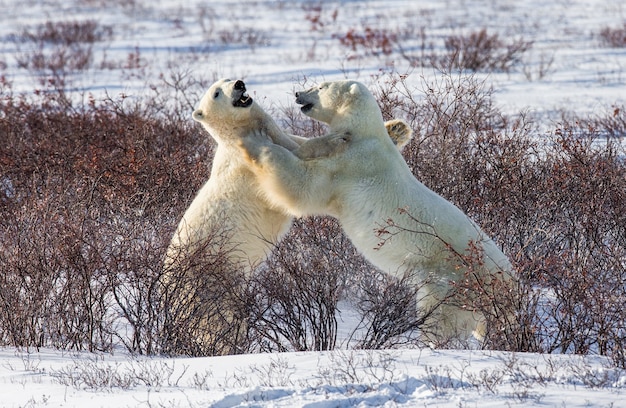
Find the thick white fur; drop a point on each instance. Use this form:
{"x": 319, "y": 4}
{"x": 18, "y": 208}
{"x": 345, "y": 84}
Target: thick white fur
{"x": 365, "y": 183}
{"x": 230, "y": 201}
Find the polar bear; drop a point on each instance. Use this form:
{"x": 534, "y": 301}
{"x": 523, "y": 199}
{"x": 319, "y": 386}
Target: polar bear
{"x": 230, "y": 216}
{"x": 228, "y": 226}
{"x": 394, "y": 220}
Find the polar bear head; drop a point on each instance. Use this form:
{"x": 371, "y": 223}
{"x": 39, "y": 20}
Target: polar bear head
{"x": 344, "y": 106}
{"x": 226, "y": 107}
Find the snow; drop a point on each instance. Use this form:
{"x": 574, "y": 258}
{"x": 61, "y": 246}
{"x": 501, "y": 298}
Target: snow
{"x": 567, "y": 68}
{"x": 277, "y": 46}
{"x": 341, "y": 378}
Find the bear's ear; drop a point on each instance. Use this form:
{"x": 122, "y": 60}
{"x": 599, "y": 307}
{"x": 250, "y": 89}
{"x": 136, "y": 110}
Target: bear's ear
{"x": 197, "y": 115}
{"x": 354, "y": 89}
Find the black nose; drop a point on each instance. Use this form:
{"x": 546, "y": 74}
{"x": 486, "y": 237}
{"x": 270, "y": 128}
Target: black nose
{"x": 297, "y": 94}
{"x": 239, "y": 85}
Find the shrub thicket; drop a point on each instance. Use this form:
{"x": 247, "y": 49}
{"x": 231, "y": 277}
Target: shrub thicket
{"x": 476, "y": 51}
{"x": 88, "y": 200}
{"x": 613, "y": 37}
{"x": 90, "y": 195}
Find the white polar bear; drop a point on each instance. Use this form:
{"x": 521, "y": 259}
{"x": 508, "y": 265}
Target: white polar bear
{"x": 393, "y": 219}
{"x": 230, "y": 201}
{"x": 228, "y": 223}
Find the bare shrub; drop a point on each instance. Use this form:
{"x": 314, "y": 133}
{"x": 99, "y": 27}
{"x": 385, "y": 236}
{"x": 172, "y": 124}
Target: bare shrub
{"x": 93, "y": 376}
{"x": 316, "y": 16}
{"x": 564, "y": 217}
{"x": 476, "y": 51}
{"x": 613, "y": 37}
{"x": 604, "y": 125}
{"x": 364, "y": 367}
{"x": 205, "y": 300}
{"x": 66, "y": 32}
{"x": 373, "y": 41}
{"x": 480, "y": 51}
{"x": 388, "y": 310}
{"x": 298, "y": 291}
{"x": 206, "y": 19}
{"x": 588, "y": 180}
{"x": 59, "y": 46}
{"x": 91, "y": 201}
{"x": 593, "y": 377}
{"x": 426, "y": 55}
{"x": 100, "y": 376}
{"x": 540, "y": 67}
{"x": 250, "y": 37}
{"x": 175, "y": 94}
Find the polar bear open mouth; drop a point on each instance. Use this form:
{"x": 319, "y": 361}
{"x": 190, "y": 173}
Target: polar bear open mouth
{"x": 241, "y": 99}
{"x": 307, "y": 107}
{"x": 302, "y": 100}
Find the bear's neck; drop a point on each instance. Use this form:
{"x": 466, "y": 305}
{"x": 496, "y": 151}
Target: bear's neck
{"x": 357, "y": 123}
{"x": 224, "y": 160}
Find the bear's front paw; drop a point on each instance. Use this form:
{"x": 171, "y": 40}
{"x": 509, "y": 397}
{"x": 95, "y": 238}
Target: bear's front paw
{"x": 251, "y": 147}
{"x": 259, "y": 136}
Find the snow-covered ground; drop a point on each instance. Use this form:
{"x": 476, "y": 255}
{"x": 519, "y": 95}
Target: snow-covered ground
{"x": 341, "y": 378}
{"x": 277, "y": 46}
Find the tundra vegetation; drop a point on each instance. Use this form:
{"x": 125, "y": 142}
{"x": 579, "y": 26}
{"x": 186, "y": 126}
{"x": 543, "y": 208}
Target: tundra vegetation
{"x": 91, "y": 191}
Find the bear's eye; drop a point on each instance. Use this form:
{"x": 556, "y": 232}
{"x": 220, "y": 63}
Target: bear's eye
{"x": 216, "y": 94}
